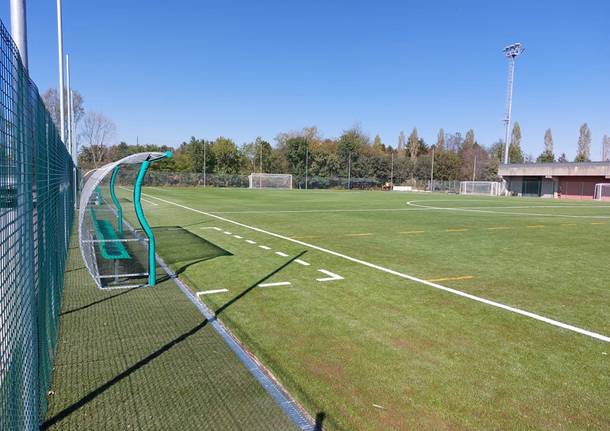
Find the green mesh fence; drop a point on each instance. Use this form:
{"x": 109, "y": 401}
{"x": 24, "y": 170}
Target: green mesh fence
{"x": 36, "y": 209}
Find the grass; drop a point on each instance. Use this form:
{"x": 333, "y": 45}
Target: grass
{"x": 147, "y": 359}
{"x": 375, "y": 351}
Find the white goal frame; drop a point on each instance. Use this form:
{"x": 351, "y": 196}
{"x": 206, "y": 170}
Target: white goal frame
{"x": 602, "y": 192}
{"x": 481, "y": 188}
{"x": 269, "y": 181}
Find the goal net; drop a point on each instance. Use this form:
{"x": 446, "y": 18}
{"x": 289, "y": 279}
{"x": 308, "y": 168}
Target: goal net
{"x": 602, "y": 192}
{"x": 270, "y": 181}
{"x": 486, "y": 188}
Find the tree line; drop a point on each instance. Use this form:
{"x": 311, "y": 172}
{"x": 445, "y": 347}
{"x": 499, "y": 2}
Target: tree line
{"x": 452, "y": 156}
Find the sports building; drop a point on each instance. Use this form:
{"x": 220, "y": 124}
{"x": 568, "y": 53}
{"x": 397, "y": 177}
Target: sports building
{"x": 555, "y": 180}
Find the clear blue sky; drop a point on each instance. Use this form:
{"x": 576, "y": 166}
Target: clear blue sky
{"x": 166, "y": 70}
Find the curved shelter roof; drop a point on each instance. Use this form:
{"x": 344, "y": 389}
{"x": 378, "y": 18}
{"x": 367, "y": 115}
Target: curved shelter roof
{"x": 92, "y": 180}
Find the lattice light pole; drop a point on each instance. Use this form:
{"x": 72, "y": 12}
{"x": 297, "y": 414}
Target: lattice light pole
{"x": 511, "y": 52}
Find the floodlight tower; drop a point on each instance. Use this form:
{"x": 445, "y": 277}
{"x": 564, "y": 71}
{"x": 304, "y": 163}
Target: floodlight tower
{"x": 511, "y": 52}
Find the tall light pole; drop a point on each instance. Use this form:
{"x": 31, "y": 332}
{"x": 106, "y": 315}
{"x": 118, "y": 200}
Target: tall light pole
{"x": 392, "y": 170}
{"x": 432, "y": 171}
{"x": 205, "y": 144}
{"x": 306, "y": 164}
{"x": 60, "y": 48}
{"x": 19, "y": 29}
{"x": 349, "y": 171}
{"x": 69, "y": 94}
{"x": 511, "y": 52}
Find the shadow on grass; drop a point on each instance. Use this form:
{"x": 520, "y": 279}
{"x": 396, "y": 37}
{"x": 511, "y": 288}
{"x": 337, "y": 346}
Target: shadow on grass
{"x": 84, "y": 307}
{"x": 262, "y": 280}
{"x": 75, "y": 269}
{"x": 152, "y": 356}
{"x": 103, "y": 388}
{"x": 318, "y": 426}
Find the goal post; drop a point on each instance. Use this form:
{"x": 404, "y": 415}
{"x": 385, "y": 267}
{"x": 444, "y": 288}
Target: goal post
{"x": 270, "y": 181}
{"x": 602, "y": 192}
{"x": 481, "y": 188}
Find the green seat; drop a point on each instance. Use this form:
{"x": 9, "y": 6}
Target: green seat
{"x": 104, "y": 230}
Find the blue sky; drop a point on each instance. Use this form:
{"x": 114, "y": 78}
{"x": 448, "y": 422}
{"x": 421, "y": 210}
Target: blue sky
{"x": 166, "y": 70}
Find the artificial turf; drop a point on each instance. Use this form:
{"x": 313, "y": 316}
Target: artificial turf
{"x": 376, "y": 351}
{"x": 147, "y": 359}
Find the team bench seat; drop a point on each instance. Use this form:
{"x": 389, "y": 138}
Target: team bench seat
{"x": 110, "y": 247}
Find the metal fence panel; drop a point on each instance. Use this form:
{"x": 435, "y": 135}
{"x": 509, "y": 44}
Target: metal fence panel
{"x": 36, "y": 210}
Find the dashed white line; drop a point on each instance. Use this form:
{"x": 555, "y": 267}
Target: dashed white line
{"x": 332, "y": 276}
{"x": 237, "y": 236}
{"x": 209, "y": 227}
{"x": 249, "y": 241}
{"x": 264, "y": 247}
{"x": 280, "y": 283}
{"x": 302, "y": 262}
{"x": 279, "y": 253}
{"x": 227, "y": 233}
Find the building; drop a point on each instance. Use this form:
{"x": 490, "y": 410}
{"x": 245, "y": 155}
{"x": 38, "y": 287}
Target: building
{"x": 558, "y": 180}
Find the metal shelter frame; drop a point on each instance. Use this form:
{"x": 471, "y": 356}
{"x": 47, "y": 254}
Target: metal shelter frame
{"x": 93, "y": 240}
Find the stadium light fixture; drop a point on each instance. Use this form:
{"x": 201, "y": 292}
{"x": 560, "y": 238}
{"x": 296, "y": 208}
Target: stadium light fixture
{"x": 511, "y": 52}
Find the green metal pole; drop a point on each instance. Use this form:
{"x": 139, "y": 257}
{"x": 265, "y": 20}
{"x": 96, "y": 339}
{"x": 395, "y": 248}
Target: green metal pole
{"x": 119, "y": 209}
{"x": 137, "y": 193}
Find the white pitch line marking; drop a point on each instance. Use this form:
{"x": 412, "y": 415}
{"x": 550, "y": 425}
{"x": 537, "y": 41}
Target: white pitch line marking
{"x": 332, "y": 276}
{"x": 515, "y": 310}
{"x": 149, "y": 202}
{"x": 249, "y": 241}
{"x": 217, "y": 228}
{"x": 227, "y": 233}
{"x": 466, "y": 209}
{"x": 237, "y": 236}
{"x": 209, "y": 227}
{"x": 302, "y": 262}
{"x": 280, "y": 283}
{"x": 264, "y": 247}
{"x": 279, "y": 253}
{"x": 210, "y": 292}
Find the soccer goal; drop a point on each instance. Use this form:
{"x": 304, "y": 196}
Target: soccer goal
{"x": 270, "y": 181}
{"x": 482, "y": 188}
{"x": 602, "y": 192}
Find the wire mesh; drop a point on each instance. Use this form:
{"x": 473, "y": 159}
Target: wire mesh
{"x": 36, "y": 210}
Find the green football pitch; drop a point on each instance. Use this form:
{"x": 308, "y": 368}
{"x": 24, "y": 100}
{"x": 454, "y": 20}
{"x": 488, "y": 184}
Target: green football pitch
{"x": 403, "y": 311}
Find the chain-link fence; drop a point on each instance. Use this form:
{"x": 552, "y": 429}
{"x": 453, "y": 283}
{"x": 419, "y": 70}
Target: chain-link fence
{"x": 36, "y": 209}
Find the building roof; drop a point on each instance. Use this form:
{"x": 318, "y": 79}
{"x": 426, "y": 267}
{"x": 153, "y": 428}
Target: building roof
{"x": 548, "y": 170}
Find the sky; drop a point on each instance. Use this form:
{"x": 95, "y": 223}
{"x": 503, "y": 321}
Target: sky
{"x": 164, "y": 71}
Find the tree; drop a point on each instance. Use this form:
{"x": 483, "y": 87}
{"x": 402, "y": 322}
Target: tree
{"x": 584, "y": 144}
{"x": 378, "y": 146}
{"x": 606, "y": 148}
{"x": 51, "y": 101}
{"x": 402, "y": 142}
{"x": 252, "y": 156}
{"x": 454, "y": 141}
{"x": 413, "y": 144}
{"x": 548, "y": 141}
{"x": 496, "y": 151}
{"x": 469, "y": 141}
{"x": 97, "y": 130}
{"x": 295, "y": 151}
{"x": 547, "y": 155}
{"x": 440, "y": 141}
{"x": 226, "y": 156}
{"x": 515, "y": 155}
{"x": 351, "y": 144}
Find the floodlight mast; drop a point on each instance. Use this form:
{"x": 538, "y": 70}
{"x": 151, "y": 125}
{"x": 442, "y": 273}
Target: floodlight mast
{"x": 511, "y": 52}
